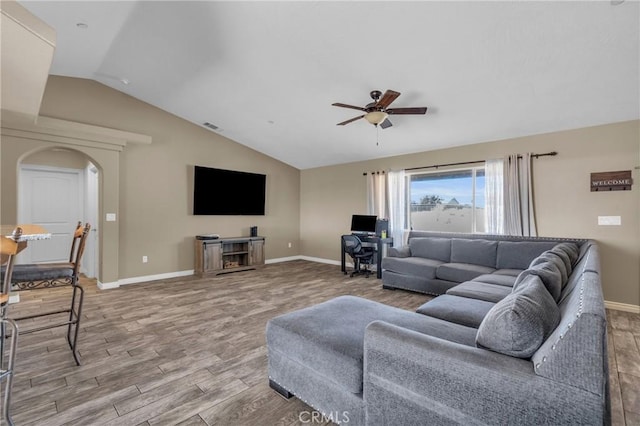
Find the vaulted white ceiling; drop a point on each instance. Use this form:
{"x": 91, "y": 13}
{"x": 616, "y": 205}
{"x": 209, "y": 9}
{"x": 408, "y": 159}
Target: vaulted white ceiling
{"x": 267, "y": 72}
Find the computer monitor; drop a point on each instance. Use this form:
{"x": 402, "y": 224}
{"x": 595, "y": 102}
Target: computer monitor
{"x": 363, "y": 224}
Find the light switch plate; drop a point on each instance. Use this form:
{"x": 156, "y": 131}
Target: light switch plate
{"x": 609, "y": 220}
{"x": 111, "y": 217}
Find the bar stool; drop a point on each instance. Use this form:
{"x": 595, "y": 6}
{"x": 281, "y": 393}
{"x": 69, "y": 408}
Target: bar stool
{"x": 47, "y": 275}
{"x": 6, "y": 374}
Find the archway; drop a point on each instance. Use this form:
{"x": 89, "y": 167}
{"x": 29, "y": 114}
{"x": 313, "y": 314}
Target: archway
{"x": 56, "y": 188}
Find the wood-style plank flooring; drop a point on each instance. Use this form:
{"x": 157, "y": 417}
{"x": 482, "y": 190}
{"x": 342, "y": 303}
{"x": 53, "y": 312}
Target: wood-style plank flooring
{"x": 191, "y": 351}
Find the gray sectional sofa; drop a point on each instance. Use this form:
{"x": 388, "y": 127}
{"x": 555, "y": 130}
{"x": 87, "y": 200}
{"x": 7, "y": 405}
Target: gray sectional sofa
{"x": 433, "y": 262}
{"x": 497, "y": 348}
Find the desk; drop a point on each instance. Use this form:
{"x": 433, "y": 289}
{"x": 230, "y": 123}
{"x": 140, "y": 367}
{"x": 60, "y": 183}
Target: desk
{"x": 13, "y": 239}
{"x": 380, "y": 245}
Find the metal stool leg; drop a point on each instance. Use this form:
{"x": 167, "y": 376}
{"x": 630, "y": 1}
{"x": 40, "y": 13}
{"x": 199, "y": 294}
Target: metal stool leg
{"x": 8, "y": 373}
{"x": 73, "y": 344}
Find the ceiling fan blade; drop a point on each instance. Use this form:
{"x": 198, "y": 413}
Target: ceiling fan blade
{"x": 338, "y": 104}
{"x": 388, "y": 97}
{"x": 349, "y": 121}
{"x": 411, "y": 110}
{"x": 386, "y": 123}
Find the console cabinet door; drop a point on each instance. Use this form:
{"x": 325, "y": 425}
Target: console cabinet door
{"x": 212, "y": 257}
{"x": 256, "y": 252}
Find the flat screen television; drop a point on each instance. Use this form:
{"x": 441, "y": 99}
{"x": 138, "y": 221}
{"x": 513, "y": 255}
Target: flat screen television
{"x": 228, "y": 192}
{"x": 363, "y": 224}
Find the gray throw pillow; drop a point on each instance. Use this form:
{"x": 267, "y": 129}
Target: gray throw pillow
{"x": 549, "y": 274}
{"x": 553, "y": 257}
{"x": 564, "y": 256}
{"x": 518, "y": 324}
{"x": 571, "y": 249}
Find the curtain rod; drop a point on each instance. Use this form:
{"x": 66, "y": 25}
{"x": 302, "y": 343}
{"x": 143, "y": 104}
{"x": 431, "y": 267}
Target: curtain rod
{"x": 552, "y": 153}
{"x": 373, "y": 173}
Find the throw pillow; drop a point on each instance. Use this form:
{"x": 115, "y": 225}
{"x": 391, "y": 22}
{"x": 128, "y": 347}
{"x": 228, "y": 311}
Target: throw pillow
{"x": 562, "y": 254}
{"x": 549, "y": 274}
{"x": 519, "y": 324}
{"x": 571, "y": 249}
{"x": 556, "y": 259}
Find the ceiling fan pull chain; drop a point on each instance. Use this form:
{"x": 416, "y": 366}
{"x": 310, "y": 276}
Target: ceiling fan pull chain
{"x": 377, "y": 135}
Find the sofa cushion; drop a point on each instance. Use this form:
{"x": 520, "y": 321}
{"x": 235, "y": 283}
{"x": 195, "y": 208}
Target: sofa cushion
{"x": 329, "y": 337}
{"x": 481, "y": 291}
{"x": 511, "y": 272}
{"x": 519, "y": 254}
{"x": 549, "y": 275}
{"x": 457, "y": 309}
{"x": 549, "y": 256}
{"x": 461, "y": 272}
{"x": 477, "y": 252}
{"x": 425, "y": 268}
{"x": 498, "y": 279}
{"x": 520, "y": 323}
{"x": 431, "y": 248}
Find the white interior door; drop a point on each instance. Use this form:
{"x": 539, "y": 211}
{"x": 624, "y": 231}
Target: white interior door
{"x": 53, "y": 198}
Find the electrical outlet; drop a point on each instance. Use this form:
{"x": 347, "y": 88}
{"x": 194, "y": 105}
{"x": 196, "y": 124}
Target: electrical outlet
{"x": 145, "y": 259}
{"x": 609, "y": 220}
{"x": 289, "y": 245}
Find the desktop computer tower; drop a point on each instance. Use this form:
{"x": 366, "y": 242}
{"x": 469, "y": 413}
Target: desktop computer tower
{"x": 382, "y": 225}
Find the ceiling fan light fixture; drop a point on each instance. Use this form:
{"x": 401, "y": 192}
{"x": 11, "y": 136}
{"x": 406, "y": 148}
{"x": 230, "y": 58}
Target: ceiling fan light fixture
{"x": 376, "y": 117}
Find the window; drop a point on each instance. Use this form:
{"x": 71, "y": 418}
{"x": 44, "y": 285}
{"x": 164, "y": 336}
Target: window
{"x": 447, "y": 201}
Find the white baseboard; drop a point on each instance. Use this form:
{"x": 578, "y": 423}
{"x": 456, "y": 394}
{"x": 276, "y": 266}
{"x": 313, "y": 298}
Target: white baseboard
{"x": 143, "y": 279}
{"x": 108, "y": 286}
{"x": 320, "y": 260}
{"x": 282, "y": 259}
{"x": 622, "y": 307}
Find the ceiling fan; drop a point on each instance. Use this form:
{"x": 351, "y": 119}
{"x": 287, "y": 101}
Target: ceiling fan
{"x": 377, "y": 112}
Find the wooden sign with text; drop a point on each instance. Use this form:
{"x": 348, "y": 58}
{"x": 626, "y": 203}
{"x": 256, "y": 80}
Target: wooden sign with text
{"x": 611, "y": 181}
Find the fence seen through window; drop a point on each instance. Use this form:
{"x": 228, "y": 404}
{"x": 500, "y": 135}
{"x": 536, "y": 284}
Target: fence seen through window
{"x": 447, "y": 201}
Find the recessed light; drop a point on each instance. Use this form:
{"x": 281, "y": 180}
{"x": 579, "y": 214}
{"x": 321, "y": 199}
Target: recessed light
{"x": 82, "y": 25}
{"x": 124, "y": 81}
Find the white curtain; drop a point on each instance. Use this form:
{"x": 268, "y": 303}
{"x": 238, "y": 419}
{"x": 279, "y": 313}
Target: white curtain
{"x": 518, "y": 200}
{"x": 377, "y": 194}
{"x": 396, "y": 205}
{"x": 509, "y": 196}
{"x": 494, "y": 200}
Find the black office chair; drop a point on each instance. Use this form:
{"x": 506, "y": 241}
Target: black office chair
{"x": 362, "y": 256}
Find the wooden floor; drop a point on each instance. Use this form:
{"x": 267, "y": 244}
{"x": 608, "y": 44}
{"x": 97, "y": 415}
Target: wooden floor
{"x": 191, "y": 351}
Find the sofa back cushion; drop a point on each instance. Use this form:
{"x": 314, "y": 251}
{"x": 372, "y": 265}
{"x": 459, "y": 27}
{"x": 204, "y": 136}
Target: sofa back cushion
{"x": 519, "y": 324}
{"x": 476, "y": 252}
{"x": 431, "y": 248}
{"x": 519, "y": 254}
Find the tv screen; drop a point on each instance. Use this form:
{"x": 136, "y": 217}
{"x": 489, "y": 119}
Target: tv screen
{"x": 363, "y": 223}
{"x": 228, "y": 192}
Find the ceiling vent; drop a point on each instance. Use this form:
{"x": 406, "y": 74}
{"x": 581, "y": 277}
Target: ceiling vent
{"x": 211, "y": 126}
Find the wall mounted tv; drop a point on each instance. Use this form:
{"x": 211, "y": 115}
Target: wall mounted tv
{"x": 228, "y": 192}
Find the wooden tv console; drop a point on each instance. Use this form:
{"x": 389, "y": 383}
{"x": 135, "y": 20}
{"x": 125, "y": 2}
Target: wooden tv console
{"x": 225, "y": 255}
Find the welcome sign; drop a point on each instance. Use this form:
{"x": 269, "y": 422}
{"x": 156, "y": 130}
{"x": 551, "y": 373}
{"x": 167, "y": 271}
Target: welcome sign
{"x": 611, "y": 181}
